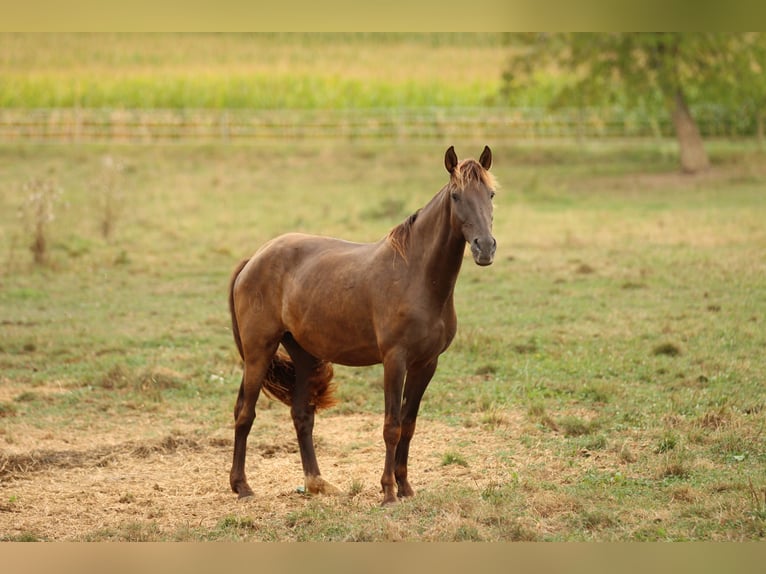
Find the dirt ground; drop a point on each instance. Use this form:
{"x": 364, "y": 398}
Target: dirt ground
{"x": 79, "y": 486}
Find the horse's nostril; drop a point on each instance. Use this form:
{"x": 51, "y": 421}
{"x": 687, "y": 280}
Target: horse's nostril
{"x": 486, "y": 244}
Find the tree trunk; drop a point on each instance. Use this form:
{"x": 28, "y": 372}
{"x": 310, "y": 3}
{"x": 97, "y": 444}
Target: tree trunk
{"x": 693, "y": 155}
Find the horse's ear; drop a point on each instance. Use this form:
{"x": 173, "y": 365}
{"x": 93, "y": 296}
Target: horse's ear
{"x": 486, "y": 158}
{"x": 450, "y": 159}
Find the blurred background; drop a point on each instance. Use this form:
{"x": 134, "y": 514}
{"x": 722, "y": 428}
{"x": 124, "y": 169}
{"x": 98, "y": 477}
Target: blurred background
{"x": 224, "y": 87}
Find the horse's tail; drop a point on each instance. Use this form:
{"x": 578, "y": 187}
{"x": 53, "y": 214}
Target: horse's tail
{"x": 280, "y": 382}
{"x": 234, "y": 323}
{"x": 280, "y": 377}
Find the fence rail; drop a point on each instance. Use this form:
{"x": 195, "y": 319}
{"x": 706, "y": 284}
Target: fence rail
{"x": 161, "y": 125}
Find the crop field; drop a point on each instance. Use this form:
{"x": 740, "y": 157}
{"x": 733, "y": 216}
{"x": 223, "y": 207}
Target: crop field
{"x": 606, "y": 381}
{"x": 237, "y": 71}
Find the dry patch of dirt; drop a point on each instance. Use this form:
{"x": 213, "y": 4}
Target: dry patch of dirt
{"x": 88, "y": 485}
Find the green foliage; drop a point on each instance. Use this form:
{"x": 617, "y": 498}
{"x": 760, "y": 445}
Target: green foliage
{"x": 638, "y": 70}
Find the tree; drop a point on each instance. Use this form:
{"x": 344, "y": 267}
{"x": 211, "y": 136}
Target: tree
{"x": 740, "y": 74}
{"x": 670, "y": 69}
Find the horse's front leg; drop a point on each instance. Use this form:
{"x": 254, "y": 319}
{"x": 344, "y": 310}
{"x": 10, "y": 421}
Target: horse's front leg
{"x": 394, "y": 370}
{"x": 414, "y": 387}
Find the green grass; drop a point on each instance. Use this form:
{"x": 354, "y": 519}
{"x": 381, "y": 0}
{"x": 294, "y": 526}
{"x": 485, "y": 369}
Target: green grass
{"x": 616, "y": 346}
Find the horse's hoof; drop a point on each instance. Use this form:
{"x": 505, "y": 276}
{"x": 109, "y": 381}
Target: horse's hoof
{"x": 318, "y": 485}
{"x": 405, "y": 491}
{"x": 389, "y": 502}
{"x": 243, "y": 493}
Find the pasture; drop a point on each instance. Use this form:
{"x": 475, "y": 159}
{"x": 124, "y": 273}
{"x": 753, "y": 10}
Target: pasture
{"x": 606, "y": 381}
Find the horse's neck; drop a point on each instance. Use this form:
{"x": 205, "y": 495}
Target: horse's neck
{"x": 437, "y": 251}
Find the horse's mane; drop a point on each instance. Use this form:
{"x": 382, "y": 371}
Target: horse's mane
{"x": 399, "y": 236}
{"x": 471, "y": 170}
{"x": 466, "y": 171}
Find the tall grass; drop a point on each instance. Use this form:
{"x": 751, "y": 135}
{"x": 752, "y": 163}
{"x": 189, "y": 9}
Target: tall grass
{"x": 239, "y": 91}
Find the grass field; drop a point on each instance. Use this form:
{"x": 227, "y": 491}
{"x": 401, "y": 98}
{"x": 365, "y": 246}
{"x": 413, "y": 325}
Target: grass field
{"x": 606, "y": 382}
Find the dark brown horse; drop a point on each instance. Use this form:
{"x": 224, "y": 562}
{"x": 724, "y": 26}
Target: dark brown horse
{"x": 331, "y": 301}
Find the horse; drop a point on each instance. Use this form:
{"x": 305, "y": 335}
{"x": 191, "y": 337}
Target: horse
{"x": 326, "y": 300}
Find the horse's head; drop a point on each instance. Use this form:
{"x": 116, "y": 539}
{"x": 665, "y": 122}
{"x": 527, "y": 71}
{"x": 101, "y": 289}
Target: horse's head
{"x": 471, "y": 190}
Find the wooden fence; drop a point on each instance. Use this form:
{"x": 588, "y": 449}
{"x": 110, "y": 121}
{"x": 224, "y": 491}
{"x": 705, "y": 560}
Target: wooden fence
{"x": 159, "y": 125}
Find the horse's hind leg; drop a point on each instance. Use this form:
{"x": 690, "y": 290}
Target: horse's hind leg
{"x": 244, "y": 415}
{"x": 302, "y": 412}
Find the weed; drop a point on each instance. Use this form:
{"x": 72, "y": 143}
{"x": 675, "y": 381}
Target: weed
{"x": 37, "y": 213}
{"x": 488, "y": 369}
{"x": 117, "y": 377}
{"x": 7, "y": 410}
{"x": 453, "y": 458}
{"x": 526, "y": 348}
{"x": 493, "y": 418}
{"x": 127, "y": 532}
{"x": 650, "y": 533}
{"x": 537, "y": 413}
{"x": 573, "y": 426}
{"x": 757, "y": 500}
{"x": 110, "y": 195}
{"x": 498, "y": 494}
{"x": 514, "y": 531}
{"x": 149, "y": 382}
{"x": 467, "y": 532}
{"x": 598, "y": 442}
{"x": 731, "y": 444}
{"x": 716, "y": 419}
{"x": 596, "y": 520}
{"x": 356, "y": 488}
{"x": 675, "y": 465}
{"x": 584, "y": 269}
{"x": 597, "y": 393}
{"x": 685, "y": 494}
{"x": 667, "y": 443}
{"x": 27, "y": 397}
{"x": 667, "y": 349}
{"x": 23, "y": 537}
{"x": 127, "y": 498}
{"x": 231, "y": 522}
{"x": 626, "y": 454}
{"x": 122, "y": 258}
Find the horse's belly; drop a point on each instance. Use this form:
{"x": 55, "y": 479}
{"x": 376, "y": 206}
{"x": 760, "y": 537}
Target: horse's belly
{"x": 334, "y": 330}
{"x": 341, "y": 344}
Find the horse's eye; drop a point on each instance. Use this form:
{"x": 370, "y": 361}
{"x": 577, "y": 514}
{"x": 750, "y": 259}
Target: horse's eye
{"x": 455, "y": 196}
{"x": 492, "y": 195}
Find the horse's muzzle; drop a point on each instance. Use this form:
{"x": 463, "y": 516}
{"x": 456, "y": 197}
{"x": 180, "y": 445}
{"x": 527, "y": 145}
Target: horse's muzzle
{"x": 483, "y": 250}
